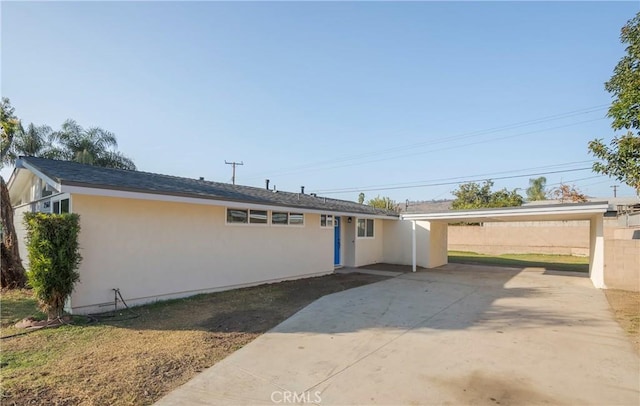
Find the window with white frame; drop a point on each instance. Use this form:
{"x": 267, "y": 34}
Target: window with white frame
{"x": 282, "y": 218}
{"x": 258, "y": 216}
{"x": 60, "y": 206}
{"x": 296, "y": 219}
{"x": 237, "y": 216}
{"x": 326, "y": 220}
{"x": 264, "y": 217}
{"x": 365, "y": 228}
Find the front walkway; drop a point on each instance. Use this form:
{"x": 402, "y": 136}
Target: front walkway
{"x": 459, "y": 334}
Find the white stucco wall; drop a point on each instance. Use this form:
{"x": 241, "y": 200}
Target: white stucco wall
{"x": 397, "y": 242}
{"x": 156, "y": 250}
{"x": 370, "y": 250}
{"x": 431, "y": 243}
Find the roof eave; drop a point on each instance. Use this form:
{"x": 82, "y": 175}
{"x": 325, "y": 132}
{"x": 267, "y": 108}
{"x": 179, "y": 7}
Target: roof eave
{"x": 51, "y": 181}
{"x": 109, "y": 191}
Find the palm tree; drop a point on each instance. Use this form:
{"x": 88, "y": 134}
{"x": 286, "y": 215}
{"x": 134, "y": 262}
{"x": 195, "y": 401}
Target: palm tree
{"x": 34, "y": 141}
{"x": 536, "y": 189}
{"x": 93, "y": 146}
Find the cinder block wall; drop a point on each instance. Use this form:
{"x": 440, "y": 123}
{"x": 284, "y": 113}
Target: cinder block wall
{"x": 536, "y": 237}
{"x": 622, "y": 264}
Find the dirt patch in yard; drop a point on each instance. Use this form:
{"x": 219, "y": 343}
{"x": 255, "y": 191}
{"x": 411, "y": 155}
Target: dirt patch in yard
{"x": 137, "y": 361}
{"x": 626, "y": 307}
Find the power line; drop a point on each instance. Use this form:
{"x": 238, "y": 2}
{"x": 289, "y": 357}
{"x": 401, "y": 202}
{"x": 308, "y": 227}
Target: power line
{"x": 450, "y": 147}
{"x": 295, "y": 169}
{"x": 441, "y": 149}
{"x": 453, "y": 183}
{"x": 595, "y": 183}
{"x": 457, "y": 177}
{"x": 566, "y": 182}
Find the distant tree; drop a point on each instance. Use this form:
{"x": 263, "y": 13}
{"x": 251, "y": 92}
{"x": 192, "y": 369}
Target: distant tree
{"x": 536, "y": 189}
{"x": 11, "y": 269}
{"x": 361, "y": 198}
{"x": 10, "y": 125}
{"x": 34, "y": 141}
{"x": 475, "y": 196}
{"x": 93, "y": 146}
{"x": 566, "y": 193}
{"x": 383, "y": 203}
{"x": 621, "y": 159}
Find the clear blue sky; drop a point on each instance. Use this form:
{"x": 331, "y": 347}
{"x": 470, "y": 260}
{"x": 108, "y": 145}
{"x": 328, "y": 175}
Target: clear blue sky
{"x": 327, "y": 95}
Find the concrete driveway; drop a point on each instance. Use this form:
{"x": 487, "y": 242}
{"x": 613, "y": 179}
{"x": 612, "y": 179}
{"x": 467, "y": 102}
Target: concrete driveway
{"x": 459, "y": 334}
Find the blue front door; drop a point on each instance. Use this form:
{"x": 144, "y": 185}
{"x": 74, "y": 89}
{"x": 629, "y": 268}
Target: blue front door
{"x": 336, "y": 255}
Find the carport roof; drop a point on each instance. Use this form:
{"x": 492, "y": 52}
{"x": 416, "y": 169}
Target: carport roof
{"x": 550, "y": 212}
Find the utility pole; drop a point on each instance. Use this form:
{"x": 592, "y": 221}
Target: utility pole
{"x": 615, "y": 190}
{"x": 233, "y": 164}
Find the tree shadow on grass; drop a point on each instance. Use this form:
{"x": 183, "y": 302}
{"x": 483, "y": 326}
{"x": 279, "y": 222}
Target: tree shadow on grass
{"x": 519, "y": 263}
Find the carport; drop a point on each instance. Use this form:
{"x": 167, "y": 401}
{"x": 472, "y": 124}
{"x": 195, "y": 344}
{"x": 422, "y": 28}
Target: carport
{"x": 429, "y": 230}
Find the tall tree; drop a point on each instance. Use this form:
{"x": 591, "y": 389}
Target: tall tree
{"x": 361, "y": 198}
{"x": 536, "y": 189}
{"x": 93, "y": 146}
{"x": 621, "y": 159}
{"x": 34, "y": 141}
{"x": 476, "y": 196}
{"x": 11, "y": 272}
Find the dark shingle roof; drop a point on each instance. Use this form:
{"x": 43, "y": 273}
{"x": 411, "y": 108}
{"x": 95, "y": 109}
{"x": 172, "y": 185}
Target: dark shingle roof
{"x": 76, "y": 174}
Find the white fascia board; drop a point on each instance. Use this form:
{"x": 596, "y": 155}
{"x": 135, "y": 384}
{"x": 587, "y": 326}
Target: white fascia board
{"x": 22, "y": 164}
{"x": 83, "y": 190}
{"x": 518, "y": 212}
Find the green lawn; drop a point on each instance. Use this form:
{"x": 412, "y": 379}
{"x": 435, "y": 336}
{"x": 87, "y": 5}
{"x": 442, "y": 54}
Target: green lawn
{"x": 552, "y": 262}
{"x": 16, "y": 305}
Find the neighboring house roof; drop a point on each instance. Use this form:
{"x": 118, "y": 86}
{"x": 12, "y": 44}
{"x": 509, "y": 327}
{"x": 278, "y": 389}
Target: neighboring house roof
{"x": 427, "y": 206}
{"x": 67, "y": 173}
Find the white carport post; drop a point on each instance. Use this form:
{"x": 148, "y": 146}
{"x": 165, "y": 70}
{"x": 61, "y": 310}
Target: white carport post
{"x": 596, "y": 251}
{"x": 413, "y": 245}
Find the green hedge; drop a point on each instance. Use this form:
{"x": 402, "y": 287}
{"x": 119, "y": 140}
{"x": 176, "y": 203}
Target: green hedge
{"x": 54, "y": 257}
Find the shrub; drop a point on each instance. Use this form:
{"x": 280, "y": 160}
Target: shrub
{"x": 54, "y": 256}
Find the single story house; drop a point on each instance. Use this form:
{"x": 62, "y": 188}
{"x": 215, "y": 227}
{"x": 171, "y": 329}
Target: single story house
{"x": 157, "y": 237}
